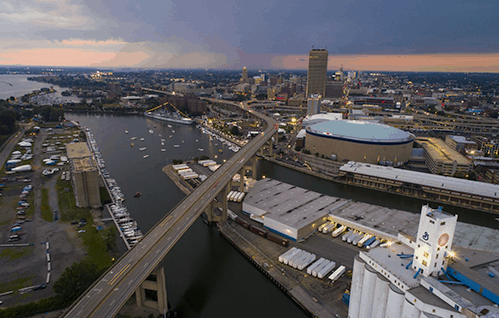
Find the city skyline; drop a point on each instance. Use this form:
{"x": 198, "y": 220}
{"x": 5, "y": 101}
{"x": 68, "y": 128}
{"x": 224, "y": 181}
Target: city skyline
{"x": 361, "y": 35}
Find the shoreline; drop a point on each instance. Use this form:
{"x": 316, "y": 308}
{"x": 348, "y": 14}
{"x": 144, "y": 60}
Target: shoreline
{"x": 262, "y": 257}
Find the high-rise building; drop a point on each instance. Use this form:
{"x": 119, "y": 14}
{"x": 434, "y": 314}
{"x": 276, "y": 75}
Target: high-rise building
{"x": 244, "y": 77}
{"x": 313, "y": 105}
{"x": 317, "y": 72}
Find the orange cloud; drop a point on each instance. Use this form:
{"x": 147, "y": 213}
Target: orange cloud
{"x": 428, "y": 62}
{"x": 55, "y": 57}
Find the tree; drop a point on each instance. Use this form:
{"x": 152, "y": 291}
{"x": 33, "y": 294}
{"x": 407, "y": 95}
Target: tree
{"x": 235, "y": 131}
{"x": 76, "y": 279}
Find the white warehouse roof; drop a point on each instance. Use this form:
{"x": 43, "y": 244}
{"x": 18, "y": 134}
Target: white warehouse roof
{"x": 431, "y": 180}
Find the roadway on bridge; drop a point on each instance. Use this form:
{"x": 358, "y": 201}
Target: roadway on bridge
{"x": 105, "y": 297}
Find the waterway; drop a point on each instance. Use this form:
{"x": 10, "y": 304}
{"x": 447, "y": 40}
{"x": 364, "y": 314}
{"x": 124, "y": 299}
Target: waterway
{"x": 18, "y": 85}
{"x": 207, "y": 277}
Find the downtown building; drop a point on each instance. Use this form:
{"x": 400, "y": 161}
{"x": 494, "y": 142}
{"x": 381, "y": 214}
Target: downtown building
{"x": 317, "y": 72}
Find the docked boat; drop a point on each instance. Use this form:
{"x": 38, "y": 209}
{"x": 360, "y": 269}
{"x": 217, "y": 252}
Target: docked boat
{"x": 171, "y": 117}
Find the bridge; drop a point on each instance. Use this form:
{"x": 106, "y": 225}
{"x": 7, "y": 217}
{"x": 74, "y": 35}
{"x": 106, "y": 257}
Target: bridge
{"x": 110, "y": 292}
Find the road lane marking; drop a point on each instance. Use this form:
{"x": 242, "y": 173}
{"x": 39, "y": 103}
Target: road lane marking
{"x": 115, "y": 278}
{"x": 79, "y": 312}
{"x": 166, "y": 220}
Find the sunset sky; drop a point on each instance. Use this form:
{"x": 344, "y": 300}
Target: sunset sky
{"x": 387, "y": 35}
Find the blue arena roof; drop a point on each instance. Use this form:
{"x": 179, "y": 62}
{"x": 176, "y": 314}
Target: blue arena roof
{"x": 360, "y": 131}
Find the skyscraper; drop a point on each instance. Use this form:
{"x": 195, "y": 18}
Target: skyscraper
{"x": 317, "y": 72}
{"x": 244, "y": 77}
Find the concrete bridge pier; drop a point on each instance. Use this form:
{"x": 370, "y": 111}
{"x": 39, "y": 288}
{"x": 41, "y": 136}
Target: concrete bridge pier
{"x": 155, "y": 284}
{"x": 247, "y": 168}
{"x": 222, "y": 204}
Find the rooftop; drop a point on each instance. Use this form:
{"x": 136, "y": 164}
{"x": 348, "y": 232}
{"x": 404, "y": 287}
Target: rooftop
{"x": 462, "y": 140}
{"x": 288, "y": 204}
{"x": 440, "y": 151}
{"x": 431, "y": 180}
{"x": 357, "y": 130}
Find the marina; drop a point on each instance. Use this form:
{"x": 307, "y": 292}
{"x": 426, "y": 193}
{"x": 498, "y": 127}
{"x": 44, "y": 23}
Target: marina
{"x": 128, "y": 228}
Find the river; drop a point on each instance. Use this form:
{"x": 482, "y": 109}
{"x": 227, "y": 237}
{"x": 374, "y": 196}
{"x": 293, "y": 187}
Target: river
{"x": 18, "y": 85}
{"x": 206, "y": 276}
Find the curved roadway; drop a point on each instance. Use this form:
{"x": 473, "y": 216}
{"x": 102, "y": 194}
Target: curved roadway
{"x": 107, "y": 295}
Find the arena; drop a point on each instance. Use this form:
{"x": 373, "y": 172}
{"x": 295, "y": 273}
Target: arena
{"x": 359, "y": 141}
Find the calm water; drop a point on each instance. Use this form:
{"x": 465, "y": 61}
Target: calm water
{"x": 21, "y": 86}
{"x": 206, "y": 276}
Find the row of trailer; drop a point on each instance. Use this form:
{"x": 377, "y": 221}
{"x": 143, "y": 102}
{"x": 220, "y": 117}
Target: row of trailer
{"x": 350, "y": 235}
{"x": 185, "y": 172}
{"x": 235, "y": 196}
{"x": 300, "y": 259}
{"x": 255, "y": 229}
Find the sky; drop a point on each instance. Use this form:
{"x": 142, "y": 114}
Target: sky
{"x": 388, "y": 35}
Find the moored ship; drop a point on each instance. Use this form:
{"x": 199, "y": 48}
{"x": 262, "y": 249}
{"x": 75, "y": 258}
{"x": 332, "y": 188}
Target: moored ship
{"x": 171, "y": 117}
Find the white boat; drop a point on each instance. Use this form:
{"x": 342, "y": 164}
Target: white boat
{"x": 162, "y": 143}
{"x": 172, "y": 117}
{"x": 169, "y": 126}
{"x": 146, "y": 156}
{"x": 142, "y": 149}
{"x": 176, "y": 146}
{"x": 142, "y": 139}
{"x": 126, "y": 131}
{"x": 162, "y": 140}
{"x": 151, "y": 131}
{"x": 163, "y": 149}
{"x": 133, "y": 138}
{"x": 200, "y": 149}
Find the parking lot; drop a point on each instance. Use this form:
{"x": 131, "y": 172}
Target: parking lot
{"x": 25, "y": 222}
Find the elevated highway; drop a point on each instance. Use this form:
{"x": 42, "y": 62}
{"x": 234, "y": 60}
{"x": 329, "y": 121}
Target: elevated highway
{"x": 107, "y": 295}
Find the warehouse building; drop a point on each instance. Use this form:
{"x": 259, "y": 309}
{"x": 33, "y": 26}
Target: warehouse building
{"x": 85, "y": 175}
{"x": 424, "y": 276}
{"x": 288, "y": 210}
{"x": 359, "y": 141}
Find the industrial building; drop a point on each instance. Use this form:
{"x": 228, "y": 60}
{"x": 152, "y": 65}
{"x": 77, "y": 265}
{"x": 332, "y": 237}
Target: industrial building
{"x": 85, "y": 175}
{"x": 472, "y": 194}
{"x": 423, "y": 276}
{"x": 287, "y": 210}
{"x": 317, "y": 72}
{"x": 362, "y": 141}
{"x": 442, "y": 159}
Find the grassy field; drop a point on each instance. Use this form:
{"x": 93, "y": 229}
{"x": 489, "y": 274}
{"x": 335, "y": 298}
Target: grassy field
{"x": 16, "y": 283}
{"x": 47, "y": 213}
{"x": 16, "y": 252}
{"x": 96, "y": 246}
{"x": 67, "y": 204}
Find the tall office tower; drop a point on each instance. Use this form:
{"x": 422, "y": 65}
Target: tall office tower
{"x": 244, "y": 77}
{"x": 317, "y": 72}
